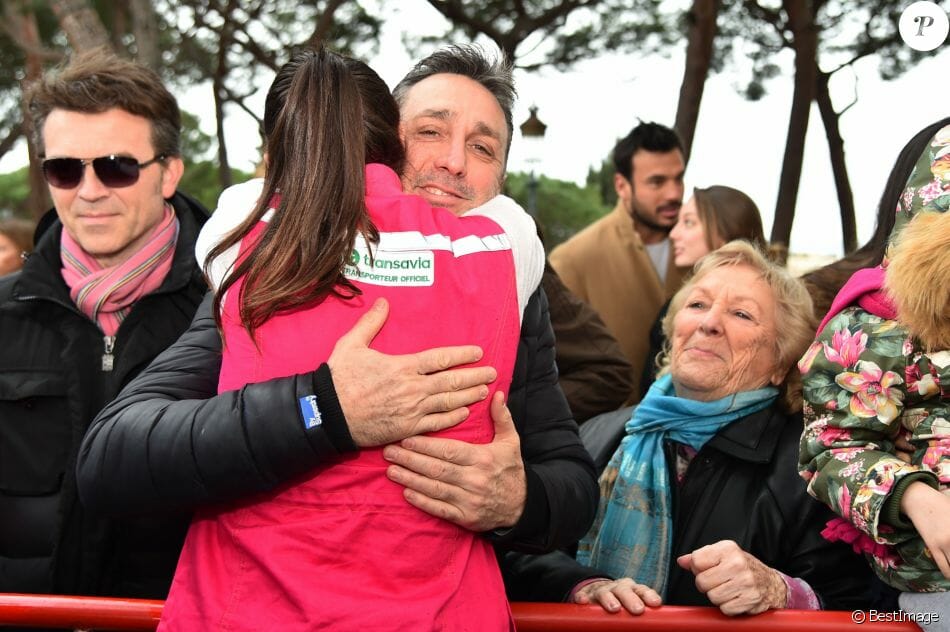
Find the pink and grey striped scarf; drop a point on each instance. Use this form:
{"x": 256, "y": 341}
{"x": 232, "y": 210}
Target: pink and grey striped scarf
{"x": 106, "y": 295}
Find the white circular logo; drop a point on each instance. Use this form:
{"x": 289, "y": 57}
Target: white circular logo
{"x": 923, "y": 26}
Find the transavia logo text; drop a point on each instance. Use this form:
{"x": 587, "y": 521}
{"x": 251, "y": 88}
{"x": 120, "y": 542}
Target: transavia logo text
{"x": 379, "y": 263}
{"x": 412, "y": 269}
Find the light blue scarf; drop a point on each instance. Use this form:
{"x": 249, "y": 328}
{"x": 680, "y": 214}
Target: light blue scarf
{"x": 632, "y": 533}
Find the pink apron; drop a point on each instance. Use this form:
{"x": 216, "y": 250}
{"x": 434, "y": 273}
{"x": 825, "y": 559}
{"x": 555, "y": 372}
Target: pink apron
{"x": 342, "y": 549}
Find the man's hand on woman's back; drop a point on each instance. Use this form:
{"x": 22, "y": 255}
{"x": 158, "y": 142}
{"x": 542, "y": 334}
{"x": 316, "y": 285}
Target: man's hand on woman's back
{"x": 387, "y": 398}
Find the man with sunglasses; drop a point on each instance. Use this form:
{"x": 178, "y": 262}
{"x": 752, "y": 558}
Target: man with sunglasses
{"x": 112, "y": 283}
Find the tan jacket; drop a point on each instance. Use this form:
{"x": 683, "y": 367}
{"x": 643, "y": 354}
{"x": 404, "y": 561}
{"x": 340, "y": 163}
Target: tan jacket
{"x": 607, "y": 265}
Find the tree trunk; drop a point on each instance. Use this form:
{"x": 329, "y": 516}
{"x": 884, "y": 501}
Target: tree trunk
{"x": 224, "y": 167}
{"x": 220, "y": 93}
{"x": 81, "y": 24}
{"x": 145, "y": 30}
{"x": 699, "y": 50}
{"x": 11, "y": 138}
{"x": 509, "y": 46}
{"x": 805, "y": 40}
{"x": 830, "y": 118}
{"x": 120, "y": 25}
{"x": 324, "y": 23}
{"x": 38, "y": 201}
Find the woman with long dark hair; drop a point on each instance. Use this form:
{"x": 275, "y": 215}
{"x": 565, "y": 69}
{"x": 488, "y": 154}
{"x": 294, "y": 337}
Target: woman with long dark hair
{"x": 330, "y": 233}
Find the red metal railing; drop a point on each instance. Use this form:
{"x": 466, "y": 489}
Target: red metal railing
{"x": 560, "y": 617}
{"x": 101, "y": 613}
{"x": 142, "y": 615}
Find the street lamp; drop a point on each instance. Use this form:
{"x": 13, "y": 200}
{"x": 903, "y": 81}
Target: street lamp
{"x": 532, "y": 131}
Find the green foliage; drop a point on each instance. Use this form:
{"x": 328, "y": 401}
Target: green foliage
{"x": 561, "y": 33}
{"x": 644, "y": 27}
{"x": 257, "y": 36}
{"x": 602, "y": 180}
{"x": 242, "y": 43}
{"x": 12, "y": 68}
{"x": 848, "y": 30}
{"x": 557, "y": 32}
{"x": 563, "y": 208}
{"x": 201, "y": 181}
{"x": 14, "y": 190}
{"x": 195, "y": 144}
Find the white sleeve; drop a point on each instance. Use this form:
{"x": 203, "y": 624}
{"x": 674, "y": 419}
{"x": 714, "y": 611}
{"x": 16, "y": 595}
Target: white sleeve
{"x": 526, "y": 248}
{"x": 234, "y": 206}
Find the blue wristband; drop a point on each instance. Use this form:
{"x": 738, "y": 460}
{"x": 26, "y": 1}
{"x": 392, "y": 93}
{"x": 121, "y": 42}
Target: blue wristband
{"x": 310, "y": 412}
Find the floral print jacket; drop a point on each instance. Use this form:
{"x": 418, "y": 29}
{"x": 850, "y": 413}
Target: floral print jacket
{"x": 868, "y": 379}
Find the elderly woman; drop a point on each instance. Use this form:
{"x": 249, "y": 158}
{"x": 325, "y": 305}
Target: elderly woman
{"x": 701, "y": 503}
{"x": 711, "y": 218}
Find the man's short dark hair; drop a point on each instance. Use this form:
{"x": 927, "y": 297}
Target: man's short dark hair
{"x": 647, "y": 136}
{"x": 494, "y": 73}
{"x": 97, "y": 81}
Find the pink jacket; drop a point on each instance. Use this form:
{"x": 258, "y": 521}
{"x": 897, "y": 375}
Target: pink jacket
{"x": 342, "y": 549}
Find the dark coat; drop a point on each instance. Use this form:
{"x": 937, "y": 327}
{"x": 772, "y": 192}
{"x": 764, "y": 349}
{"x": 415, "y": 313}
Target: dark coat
{"x": 592, "y": 370}
{"x": 52, "y": 385}
{"x": 657, "y": 339}
{"x": 743, "y": 486}
{"x": 169, "y": 443}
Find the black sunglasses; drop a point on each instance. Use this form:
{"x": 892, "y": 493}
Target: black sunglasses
{"x": 113, "y": 171}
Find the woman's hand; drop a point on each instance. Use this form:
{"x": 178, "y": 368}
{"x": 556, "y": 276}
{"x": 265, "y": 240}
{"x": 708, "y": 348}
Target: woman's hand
{"x": 612, "y": 594}
{"x": 929, "y": 510}
{"x": 733, "y": 580}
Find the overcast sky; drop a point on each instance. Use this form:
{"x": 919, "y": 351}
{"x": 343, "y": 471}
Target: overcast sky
{"x": 738, "y": 143}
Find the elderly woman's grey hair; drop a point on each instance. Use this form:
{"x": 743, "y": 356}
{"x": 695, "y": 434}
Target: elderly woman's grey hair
{"x": 794, "y": 317}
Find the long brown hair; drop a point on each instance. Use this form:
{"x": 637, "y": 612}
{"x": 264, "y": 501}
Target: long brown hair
{"x": 326, "y": 117}
{"x": 728, "y": 214}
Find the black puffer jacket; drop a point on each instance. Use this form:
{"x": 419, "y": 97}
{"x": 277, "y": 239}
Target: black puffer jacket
{"x": 169, "y": 443}
{"x": 52, "y": 385}
{"x": 743, "y": 485}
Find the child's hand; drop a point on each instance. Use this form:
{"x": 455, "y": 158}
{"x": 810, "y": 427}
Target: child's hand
{"x": 929, "y": 510}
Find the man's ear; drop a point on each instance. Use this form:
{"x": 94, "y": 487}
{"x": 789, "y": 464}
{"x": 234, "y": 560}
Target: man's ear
{"x": 172, "y": 171}
{"x": 621, "y": 186}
